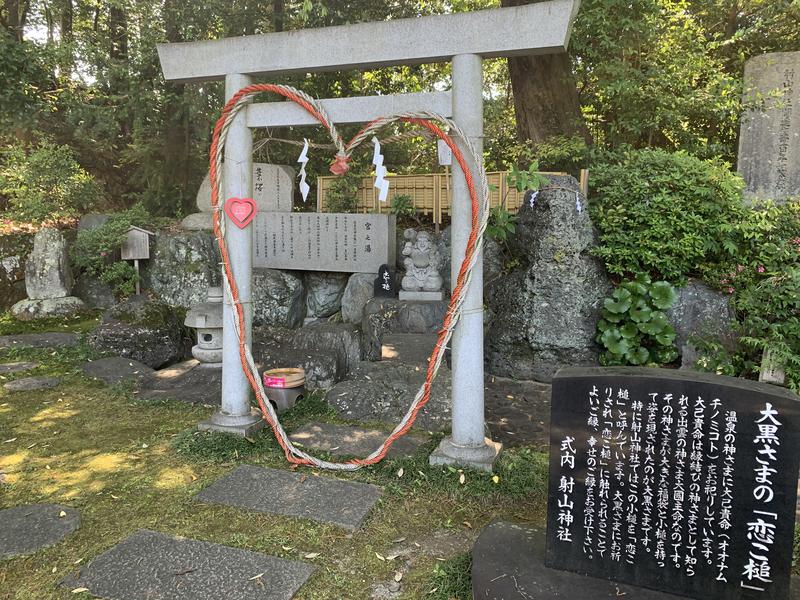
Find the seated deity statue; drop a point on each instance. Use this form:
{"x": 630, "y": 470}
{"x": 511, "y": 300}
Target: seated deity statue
{"x": 422, "y": 263}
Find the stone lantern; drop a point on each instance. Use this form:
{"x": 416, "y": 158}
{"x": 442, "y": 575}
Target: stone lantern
{"x": 206, "y": 318}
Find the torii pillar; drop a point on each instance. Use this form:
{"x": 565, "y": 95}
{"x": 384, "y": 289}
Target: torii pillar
{"x": 463, "y": 38}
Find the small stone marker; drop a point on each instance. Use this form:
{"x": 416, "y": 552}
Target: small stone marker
{"x": 385, "y": 283}
{"x": 769, "y": 141}
{"x": 341, "y": 440}
{"x": 683, "y": 483}
{"x": 29, "y": 384}
{"x": 153, "y": 565}
{"x": 323, "y": 499}
{"x": 26, "y": 529}
{"x": 324, "y": 241}
{"x": 16, "y": 367}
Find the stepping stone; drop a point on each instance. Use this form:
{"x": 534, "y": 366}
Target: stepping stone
{"x": 342, "y": 440}
{"x": 508, "y": 562}
{"x": 116, "y": 369}
{"x": 160, "y": 567}
{"x": 39, "y": 340}
{"x": 26, "y": 529}
{"x": 28, "y": 384}
{"x": 188, "y": 381}
{"x": 16, "y": 367}
{"x": 342, "y": 503}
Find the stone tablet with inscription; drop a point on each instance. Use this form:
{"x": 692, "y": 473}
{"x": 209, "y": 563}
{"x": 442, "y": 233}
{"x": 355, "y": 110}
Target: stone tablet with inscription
{"x": 273, "y": 189}
{"x": 323, "y": 241}
{"x": 684, "y": 483}
{"x": 769, "y": 141}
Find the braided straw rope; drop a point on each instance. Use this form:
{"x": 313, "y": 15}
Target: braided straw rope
{"x": 480, "y": 214}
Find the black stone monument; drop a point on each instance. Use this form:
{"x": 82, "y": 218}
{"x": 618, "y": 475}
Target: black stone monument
{"x": 680, "y": 482}
{"x": 385, "y": 283}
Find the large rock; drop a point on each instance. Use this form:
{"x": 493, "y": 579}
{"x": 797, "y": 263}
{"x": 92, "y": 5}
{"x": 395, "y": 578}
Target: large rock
{"x": 183, "y": 266}
{"x": 278, "y": 298}
{"x": 94, "y": 292}
{"x": 273, "y": 348}
{"x": 146, "y": 331}
{"x": 47, "y": 272}
{"x": 384, "y": 316}
{"x": 28, "y": 310}
{"x": 702, "y": 311}
{"x": 493, "y": 260}
{"x": 324, "y": 293}
{"x": 545, "y": 312}
{"x": 12, "y": 281}
{"x": 360, "y": 290}
{"x": 343, "y": 340}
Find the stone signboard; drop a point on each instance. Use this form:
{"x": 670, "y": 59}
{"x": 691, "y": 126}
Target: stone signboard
{"x": 769, "y": 141}
{"x": 323, "y": 241}
{"x": 684, "y": 483}
{"x": 385, "y": 285}
{"x": 273, "y": 189}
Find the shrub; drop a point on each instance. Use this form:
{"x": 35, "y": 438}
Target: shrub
{"x": 343, "y": 194}
{"x": 667, "y": 214}
{"x": 501, "y": 224}
{"x": 402, "y": 206}
{"x": 47, "y": 185}
{"x": 96, "y": 251}
{"x": 634, "y": 329}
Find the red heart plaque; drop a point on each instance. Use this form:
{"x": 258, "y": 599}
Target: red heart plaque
{"x": 240, "y": 211}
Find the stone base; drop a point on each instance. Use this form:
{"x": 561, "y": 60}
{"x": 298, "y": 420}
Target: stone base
{"x": 422, "y": 296}
{"x": 243, "y": 426}
{"x": 27, "y": 310}
{"x": 197, "y": 222}
{"x": 474, "y": 457}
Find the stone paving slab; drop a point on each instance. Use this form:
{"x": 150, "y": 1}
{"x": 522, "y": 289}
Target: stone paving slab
{"x": 16, "y": 367}
{"x": 39, "y": 340}
{"x": 27, "y": 384}
{"x": 342, "y": 440}
{"x": 155, "y": 566}
{"x": 187, "y": 381}
{"x": 26, "y": 529}
{"x": 324, "y": 499}
{"x": 116, "y": 369}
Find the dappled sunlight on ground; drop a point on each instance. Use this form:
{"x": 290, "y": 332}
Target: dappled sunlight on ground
{"x": 52, "y": 415}
{"x": 171, "y": 478}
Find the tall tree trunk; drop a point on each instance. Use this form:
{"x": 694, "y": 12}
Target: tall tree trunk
{"x": 545, "y": 95}
{"x": 278, "y": 14}
{"x": 14, "y": 17}
{"x": 66, "y": 62}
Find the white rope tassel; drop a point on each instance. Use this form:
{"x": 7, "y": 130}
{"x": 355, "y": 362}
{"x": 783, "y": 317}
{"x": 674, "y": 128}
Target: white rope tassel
{"x": 381, "y": 183}
{"x": 303, "y": 159}
{"x": 457, "y": 302}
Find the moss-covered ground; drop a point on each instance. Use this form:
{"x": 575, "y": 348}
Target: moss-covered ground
{"x": 127, "y": 465}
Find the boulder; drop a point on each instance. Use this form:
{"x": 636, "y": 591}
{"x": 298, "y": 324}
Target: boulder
{"x": 12, "y": 281}
{"x": 47, "y": 271}
{"x": 28, "y": 310}
{"x": 94, "y": 292}
{"x": 702, "y": 311}
{"x": 343, "y": 340}
{"x": 146, "y": 331}
{"x": 278, "y": 298}
{"x": 359, "y": 290}
{"x": 198, "y": 222}
{"x": 183, "y": 266}
{"x": 389, "y": 315}
{"x": 544, "y": 312}
{"x": 273, "y": 348}
{"x": 324, "y": 293}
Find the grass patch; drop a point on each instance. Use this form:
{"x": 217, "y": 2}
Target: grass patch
{"x": 81, "y": 323}
{"x": 126, "y": 465}
{"x": 452, "y": 579}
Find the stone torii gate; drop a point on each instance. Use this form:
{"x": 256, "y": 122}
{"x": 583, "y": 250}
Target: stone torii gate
{"x": 462, "y": 38}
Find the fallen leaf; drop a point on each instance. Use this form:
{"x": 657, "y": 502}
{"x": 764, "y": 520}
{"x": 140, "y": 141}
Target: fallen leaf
{"x": 380, "y": 557}
{"x": 249, "y": 439}
{"x": 62, "y": 514}
{"x": 496, "y": 478}
{"x": 259, "y": 576}
{"x": 462, "y": 479}
{"x": 80, "y": 590}
{"x": 311, "y": 555}
{"x": 287, "y": 548}
{"x": 400, "y": 472}
{"x": 467, "y": 524}
{"x": 398, "y": 576}
{"x": 77, "y": 562}
{"x": 32, "y": 445}
{"x": 9, "y": 441}
{"x": 392, "y": 556}
{"x": 145, "y": 446}
{"x": 114, "y": 497}
{"x": 55, "y": 569}
{"x": 398, "y": 540}
{"x": 433, "y": 590}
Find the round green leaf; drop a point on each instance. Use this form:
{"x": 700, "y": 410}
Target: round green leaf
{"x": 629, "y": 330}
{"x": 616, "y": 306}
{"x": 663, "y": 294}
{"x": 620, "y": 347}
{"x": 641, "y": 312}
{"x": 666, "y": 339}
{"x": 637, "y": 356}
{"x": 612, "y": 317}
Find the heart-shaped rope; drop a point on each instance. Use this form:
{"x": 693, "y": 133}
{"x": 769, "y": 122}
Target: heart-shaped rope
{"x": 480, "y": 214}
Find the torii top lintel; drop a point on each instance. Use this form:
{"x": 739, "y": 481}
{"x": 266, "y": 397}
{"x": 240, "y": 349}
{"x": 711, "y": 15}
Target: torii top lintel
{"x": 541, "y": 28}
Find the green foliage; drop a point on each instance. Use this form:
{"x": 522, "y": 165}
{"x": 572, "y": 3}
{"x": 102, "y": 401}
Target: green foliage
{"x": 634, "y": 328}
{"x": 402, "y": 206}
{"x": 667, "y": 214}
{"x": 501, "y": 224}
{"x": 47, "y": 185}
{"x": 561, "y": 154}
{"x": 530, "y": 179}
{"x": 343, "y": 194}
{"x": 96, "y": 251}
{"x": 452, "y": 579}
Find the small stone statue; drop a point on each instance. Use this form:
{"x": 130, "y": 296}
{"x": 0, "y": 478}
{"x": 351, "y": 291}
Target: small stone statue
{"x": 422, "y": 280}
